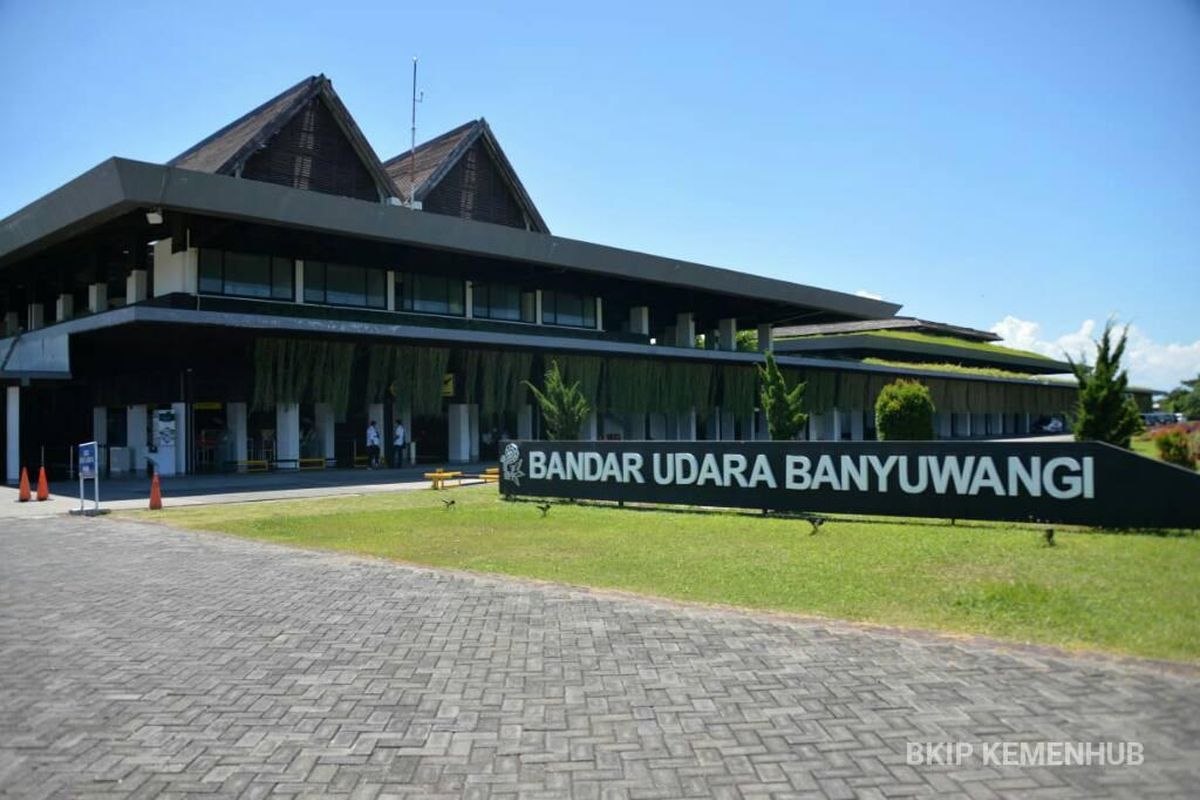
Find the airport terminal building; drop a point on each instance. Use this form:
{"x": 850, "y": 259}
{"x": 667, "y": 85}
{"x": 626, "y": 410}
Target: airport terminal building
{"x": 252, "y": 303}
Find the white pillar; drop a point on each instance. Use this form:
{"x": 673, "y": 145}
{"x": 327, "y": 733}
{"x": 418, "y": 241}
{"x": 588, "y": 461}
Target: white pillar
{"x": 857, "y": 433}
{"x": 136, "y": 420}
{"x": 1028, "y": 424}
{"x": 657, "y": 425}
{"x": 599, "y": 314}
{"x": 298, "y": 284}
{"x": 287, "y": 435}
{"x": 97, "y": 297}
{"x": 469, "y": 299}
{"x": 687, "y": 426}
{"x": 836, "y": 432}
{"x": 473, "y": 414}
{"x": 135, "y": 287}
{"x": 978, "y": 424}
{"x": 525, "y": 422}
{"x": 459, "y": 439}
{"x": 685, "y": 330}
{"x": 235, "y": 418}
{"x": 12, "y": 413}
{"x": 639, "y": 320}
{"x": 997, "y": 424}
{"x": 175, "y": 272}
{"x": 766, "y": 338}
{"x": 12, "y": 321}
{"x": 35, "y": 317}
{"x": 537, "y": 306}
{"x": 64, "y": 307}
{"x": 588, "y": 431}
{"x": 183, "y": 438}
{"x": 323, "y": 423}
{"x": 727, "y": 333}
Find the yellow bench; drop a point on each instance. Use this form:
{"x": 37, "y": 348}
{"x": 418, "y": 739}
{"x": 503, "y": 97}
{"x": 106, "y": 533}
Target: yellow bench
{"x": 254, "y": 465}
{"x": 312, "y": 463}
{"x": 439, "y": 477}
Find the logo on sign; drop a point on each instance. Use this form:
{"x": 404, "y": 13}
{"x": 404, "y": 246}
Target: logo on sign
{"x": 510, "y": 463}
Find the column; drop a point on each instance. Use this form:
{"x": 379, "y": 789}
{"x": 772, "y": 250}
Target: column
{"x": 836, "y": 432}
{"x": 473, "y": 418}
{"x": 727, "y": 333}
{"x": 687, "y": 426}
{"x": 599, "y": 314}
{"x": 97, "y": 297}
{"x": 35, "y": 317}
{"x": 857, "y": 432}
{"x": 657, "y": 425}
{"x": 587, "y": 431}
{"x": 1028, "y": 423}
{"x": 135, "y": 287}
{"x": 979, "y": 424}
{"x": 323, "y": 423}
{"x": 997, "y": 424}
{"x": 537, "y": 306}
{"x": 406, "y": 417}
{"x": 12, "y": 321}
{"x": 685, "y": 330}
{"x": 64, "y": 307}
{"x": 235, "y": 418}
{"x": 525, "y": 422}
{"x": 183, "y": 437}
{"x": 639, "y": 320}
{"x": 390, "y": 288}
{"x": 12, "y": 455}
{"x": 469, "y": 299}
{"x": 175, "y": 272}
{"x": 766, "y": 338}
{"x": 459, "y": 439}
{"x": 135, "y": 427}
{"x": 287, "y": 435}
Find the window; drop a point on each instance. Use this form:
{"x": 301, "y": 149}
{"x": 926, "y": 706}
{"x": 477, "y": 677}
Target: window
{"x": 246, "y": 275}
{"x": 500, "y": 301}
{"x": 344, "y": 285}
{"x": 431, "y": 294}
{"x": 568, "y": 308}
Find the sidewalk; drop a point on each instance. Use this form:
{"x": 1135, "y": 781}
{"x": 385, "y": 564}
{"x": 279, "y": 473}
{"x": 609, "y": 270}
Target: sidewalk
{"x": 190, "y": 490}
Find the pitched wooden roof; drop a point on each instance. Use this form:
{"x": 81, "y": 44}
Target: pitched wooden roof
{"x": 226, "y": 151}
{"x": 431, "y": 161}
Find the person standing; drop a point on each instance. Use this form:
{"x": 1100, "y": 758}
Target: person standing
{"x": 398, "y": 445}
{"x": 373, "y": 442}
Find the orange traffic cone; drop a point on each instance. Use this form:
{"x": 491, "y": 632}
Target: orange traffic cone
{"x": 155, "y": 494}
{"x": 43, "y": 492}
{"x": 23, "y": 493}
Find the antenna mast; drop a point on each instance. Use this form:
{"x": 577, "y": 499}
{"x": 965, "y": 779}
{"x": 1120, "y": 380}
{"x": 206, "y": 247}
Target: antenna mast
{"x": 412, "y": 153}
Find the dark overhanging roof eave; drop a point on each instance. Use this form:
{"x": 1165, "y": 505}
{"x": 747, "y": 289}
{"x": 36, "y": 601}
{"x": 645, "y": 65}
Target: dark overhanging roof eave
{"x": 118, "y": 185}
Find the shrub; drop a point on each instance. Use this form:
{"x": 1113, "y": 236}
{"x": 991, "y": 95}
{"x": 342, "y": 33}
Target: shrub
{"x": 904, "y": 412}
{"x": 782, "y": 406}
{"x": 1174, "y": 448}
{"x": 1106, "y": 412}
{"x": 563, "y": 407}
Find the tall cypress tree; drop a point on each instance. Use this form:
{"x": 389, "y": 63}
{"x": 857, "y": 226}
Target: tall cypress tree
{"x": 1105, "y": 412}
{"x": 784, "y": 407}
{"x": 564, "y": 407}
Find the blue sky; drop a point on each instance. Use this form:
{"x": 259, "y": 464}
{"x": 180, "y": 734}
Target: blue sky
{"x": 1028, "y": 166}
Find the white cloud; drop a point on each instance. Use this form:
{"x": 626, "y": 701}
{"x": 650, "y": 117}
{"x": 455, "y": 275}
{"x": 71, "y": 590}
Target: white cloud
{"x": 1150, "y": 363}
{"x": 869, "y": 295}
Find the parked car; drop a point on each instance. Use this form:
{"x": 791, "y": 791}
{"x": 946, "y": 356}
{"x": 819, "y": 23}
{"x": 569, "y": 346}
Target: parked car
{"x": 1152, "y": 419}
{"x": 1053, "y": 425}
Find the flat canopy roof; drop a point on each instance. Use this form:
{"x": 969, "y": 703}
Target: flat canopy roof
{"x": 118, "y": 186}
{"x": 928, "y": 349}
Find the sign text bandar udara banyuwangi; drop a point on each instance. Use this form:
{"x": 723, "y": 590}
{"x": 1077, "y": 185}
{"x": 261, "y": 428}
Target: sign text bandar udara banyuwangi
{"x": 1083, "y": 483}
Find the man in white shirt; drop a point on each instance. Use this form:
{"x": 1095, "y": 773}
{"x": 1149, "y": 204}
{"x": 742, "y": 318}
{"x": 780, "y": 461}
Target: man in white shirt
{"x": 373, "y": 442}
{"x": 398, "y": 445}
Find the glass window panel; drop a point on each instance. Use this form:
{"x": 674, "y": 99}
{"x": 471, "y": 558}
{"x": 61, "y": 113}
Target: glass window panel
{"x": 211, "y": 281}
{"x": 283, "y": 278}
{"x": 314, "y": 281}
{"x": 247, "y": 275}
{"x": 344, "y": 285}
{"x": 376, "y": 288}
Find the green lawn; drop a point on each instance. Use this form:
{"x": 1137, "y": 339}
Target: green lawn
{"x": 1133, "y": 594}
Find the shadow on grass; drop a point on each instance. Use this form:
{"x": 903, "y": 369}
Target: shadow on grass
{"x": 915, "y": 522}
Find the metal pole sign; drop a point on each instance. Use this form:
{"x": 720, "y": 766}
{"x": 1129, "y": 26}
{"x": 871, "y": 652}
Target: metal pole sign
{"x": 88, "y": 470}
{"x": 1081, "y": 483}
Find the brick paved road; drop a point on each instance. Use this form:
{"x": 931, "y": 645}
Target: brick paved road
{"x": 137, "y": 660}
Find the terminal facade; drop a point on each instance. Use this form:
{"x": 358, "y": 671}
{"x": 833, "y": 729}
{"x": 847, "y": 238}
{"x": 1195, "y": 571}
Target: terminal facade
{"x": 256, "y": 301}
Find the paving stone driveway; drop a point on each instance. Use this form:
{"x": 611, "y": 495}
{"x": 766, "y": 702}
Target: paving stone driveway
{"x": 138, "y": 660}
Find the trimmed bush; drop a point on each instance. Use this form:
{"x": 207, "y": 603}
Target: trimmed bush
{"x": 1174, "y": 448}
{"x": 904, "y": 412}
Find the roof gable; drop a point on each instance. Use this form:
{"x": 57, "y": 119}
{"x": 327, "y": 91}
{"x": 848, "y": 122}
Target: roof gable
{"x": 432, "y": 164}
{"x": 303, "y": 137}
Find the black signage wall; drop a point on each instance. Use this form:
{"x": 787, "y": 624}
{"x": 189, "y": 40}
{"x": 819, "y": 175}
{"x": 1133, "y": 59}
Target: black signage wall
{"x": 1074, "y": 483}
